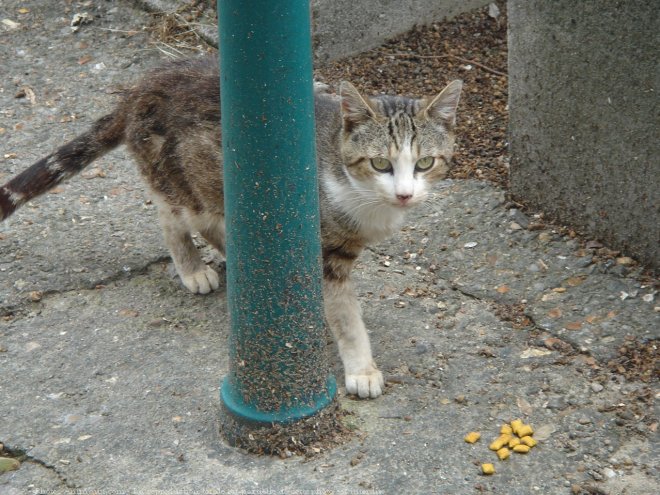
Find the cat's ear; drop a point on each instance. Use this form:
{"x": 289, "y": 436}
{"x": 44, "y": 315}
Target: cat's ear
{"x": 443, "y": 106}
{"x": 355, "y": 109}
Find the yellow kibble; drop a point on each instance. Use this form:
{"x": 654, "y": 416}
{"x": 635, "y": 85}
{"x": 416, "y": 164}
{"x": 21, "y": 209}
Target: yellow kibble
{"x": 516, "y": 424}
{"x": 506, "y": 429}
{"x": 525, "y": 431}
{"x": 500, "y": 442}
{"x": 503, "y": 453}
{"x": 529, "y": 441}
{"x": 487, "y": 468}
{"x": 521, "y": 449}
{"x": 513, "y": 442}
{"x": 472, "y": 437}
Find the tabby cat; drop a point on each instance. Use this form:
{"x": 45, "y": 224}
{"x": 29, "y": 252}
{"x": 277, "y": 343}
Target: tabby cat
{"x": 377, "y": 158}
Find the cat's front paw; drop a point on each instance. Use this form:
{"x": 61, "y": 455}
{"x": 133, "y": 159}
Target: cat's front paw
{"x": 202, "y": 281}
{"x": 365, "y": 384}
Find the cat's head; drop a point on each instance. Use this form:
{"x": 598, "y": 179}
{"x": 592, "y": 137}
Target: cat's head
{"x": 395, "y": 147}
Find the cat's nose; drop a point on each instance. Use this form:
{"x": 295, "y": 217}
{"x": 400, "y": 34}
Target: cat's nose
{"x": 403, "y": 198}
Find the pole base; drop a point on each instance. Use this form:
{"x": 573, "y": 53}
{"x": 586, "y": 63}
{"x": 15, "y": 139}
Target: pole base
{"x": 277, "y": 432}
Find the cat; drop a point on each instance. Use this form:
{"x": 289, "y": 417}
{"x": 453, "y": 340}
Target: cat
{"x": 377, "y": 158}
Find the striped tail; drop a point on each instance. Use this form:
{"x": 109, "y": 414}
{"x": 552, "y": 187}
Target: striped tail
{"x": 70, "y": 159}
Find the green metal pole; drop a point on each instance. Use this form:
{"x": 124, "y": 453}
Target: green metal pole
{"x": 278, "y": 366}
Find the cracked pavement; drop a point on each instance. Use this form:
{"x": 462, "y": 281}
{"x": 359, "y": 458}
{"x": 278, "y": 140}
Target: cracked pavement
{"x": 477, "y": 316}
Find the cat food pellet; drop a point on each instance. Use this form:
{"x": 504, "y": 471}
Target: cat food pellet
{"x": 472, "y": 437}
{"x": 506, "y": 429}
{"x": 515, "y": 425}
{"x": 529, "y": 441}
{"x": 503, "y": 453}
{"x": 500, "y": 442}
{"x": 515, "y": 436}
{"x": 521, "y": 449}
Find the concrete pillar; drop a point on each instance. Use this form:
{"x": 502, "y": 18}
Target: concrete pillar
{"x": 583, "y": 95}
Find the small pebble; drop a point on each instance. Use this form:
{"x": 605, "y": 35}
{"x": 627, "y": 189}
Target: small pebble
{"x": 596, "y": 387}
{"x": 609, "y": 473}
{"x": 557, "y": 403}
{"x": 423, "y": 347}
{"x": 584, "y": 262}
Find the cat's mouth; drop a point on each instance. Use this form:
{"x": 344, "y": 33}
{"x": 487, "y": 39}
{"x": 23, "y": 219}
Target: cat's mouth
{"x": 403, "y": 202}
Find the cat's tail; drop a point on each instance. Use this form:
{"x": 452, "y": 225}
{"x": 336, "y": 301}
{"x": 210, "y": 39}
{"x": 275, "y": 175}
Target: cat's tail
{"x": 70, "y": 159}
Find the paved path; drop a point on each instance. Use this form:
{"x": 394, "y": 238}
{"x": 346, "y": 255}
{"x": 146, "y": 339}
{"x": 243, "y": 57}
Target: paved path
{"x": 110, "y": 370}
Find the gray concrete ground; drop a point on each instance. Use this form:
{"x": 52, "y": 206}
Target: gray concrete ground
{"x": 110, "y": 369}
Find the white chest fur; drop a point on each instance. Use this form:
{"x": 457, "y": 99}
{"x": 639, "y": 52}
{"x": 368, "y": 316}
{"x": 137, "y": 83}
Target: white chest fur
{"x": 373, "y": 216}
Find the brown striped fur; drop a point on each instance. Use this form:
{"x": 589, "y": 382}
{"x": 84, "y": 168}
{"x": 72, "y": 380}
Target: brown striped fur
{"x": 170, "y": 122}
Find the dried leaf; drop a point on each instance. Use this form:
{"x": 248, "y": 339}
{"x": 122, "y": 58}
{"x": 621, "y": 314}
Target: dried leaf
{"x": 79, "y": 19}
{"x": 410, "y": 292}
{"x": 93, "y": 173}
{"x": 524, "y": 406}
{"x": 544, "y": 432}
{"x": 589, "y": 360}
{"x": 575, "y": 281}
{"x": 27, "y": 92}
{"x": 533, "y": 352}
{"x": 84, "y": 59}
{"x": 10, "y": 25}
{"x": 128, "y": 312}
{"x": 502, "y": 289}
{"x": 625, "y": 261}
{"x": 573, "y": 325}
{"x": 493, "y": 10}
{"x": 554, "y": 313}
{"x": 116, "y": 191}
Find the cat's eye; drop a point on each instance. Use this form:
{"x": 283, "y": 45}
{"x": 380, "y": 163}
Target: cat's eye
{"x": 381, "y": 164}
{"x": 423, "y": 164}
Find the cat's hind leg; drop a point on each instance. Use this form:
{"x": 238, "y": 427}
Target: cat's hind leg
{"x": 195, "y": 274}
